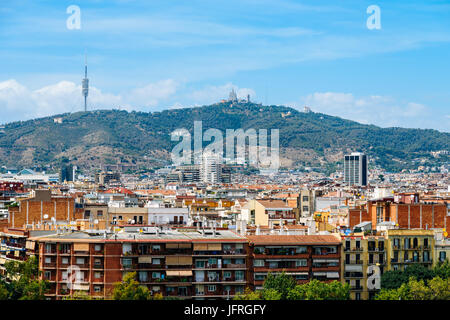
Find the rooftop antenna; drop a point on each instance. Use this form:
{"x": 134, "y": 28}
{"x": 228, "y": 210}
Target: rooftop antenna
{"x": 85, "y": 83}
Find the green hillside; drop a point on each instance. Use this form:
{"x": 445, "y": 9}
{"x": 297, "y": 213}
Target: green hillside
{"x": 113, "y": 136}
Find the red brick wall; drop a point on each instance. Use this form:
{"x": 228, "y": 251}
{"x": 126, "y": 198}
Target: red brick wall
{"x": 112, "y": 265}
{"x": 354, "y": 217}
{"x": 48, "y": 208}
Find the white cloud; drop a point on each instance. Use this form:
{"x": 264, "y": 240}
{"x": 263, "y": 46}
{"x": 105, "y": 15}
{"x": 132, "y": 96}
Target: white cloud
{"x": 17, "y": 102}
{"x": 383, "y": 111}
{"x": 152, "y": 94}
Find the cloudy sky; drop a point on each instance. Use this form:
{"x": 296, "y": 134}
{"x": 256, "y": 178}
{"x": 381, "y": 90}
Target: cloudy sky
{"x": 151, "y": 55}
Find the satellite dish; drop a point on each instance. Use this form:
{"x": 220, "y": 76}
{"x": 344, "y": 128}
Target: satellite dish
{"x": 95, "y": 221}
{"x": 45, "y": 216}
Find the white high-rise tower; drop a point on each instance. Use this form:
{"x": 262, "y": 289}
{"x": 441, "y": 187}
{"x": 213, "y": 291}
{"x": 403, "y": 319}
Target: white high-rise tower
{"x": 85, "y": 84}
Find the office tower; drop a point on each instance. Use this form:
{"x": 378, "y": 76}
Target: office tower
{"x": 67, "y": 173}
{"x": 355, "y": 169}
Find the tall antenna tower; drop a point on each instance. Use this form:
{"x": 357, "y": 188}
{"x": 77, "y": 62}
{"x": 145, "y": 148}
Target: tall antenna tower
{"x": 85, "y": 84}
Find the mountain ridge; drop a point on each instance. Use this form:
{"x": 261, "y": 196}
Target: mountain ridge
{"x": 90, "y": 139}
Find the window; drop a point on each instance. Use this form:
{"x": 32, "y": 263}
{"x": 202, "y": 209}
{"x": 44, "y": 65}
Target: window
{"x": 442, "y": 256}
{"x": 425, "y": 243}
{"x": 305, "y": 209}
{"x": 301, "y": 249}
{"x": 212, "y": 261}
{"x": 99, "y": 213}
{"x": 305, "y": 198}
{"x": 65, "y": 260}
{"x": 47, "y": 274}
{"x": 156, "y": 247}
{"x": 97, "y": 261}
{"x": 258, "y": 263}
{"x": 97, "y": 275}
{"x": 200, "y": 263}
{"x": 227, "y": 247}
{"x": 212, "y": 288}
{"x": 156, "y": 275}
{"x": 239, "y": 275}
{"x": 156, "y": 261}
{"x": 143, "y": 276}
{"x": 426, "y": 256}
{"x": 226, "y": 261}
{"x": 98, "y": 247}
{"x": 48, "y": 248}
{"x": 87, "y": 213}
{"x": 227, "y": 275}
{"x": 97, "y": 289}
{"x": 301, "y": 263}
{"x": 80, "y": 260}
{"x": 258, "y": 250}
{"x": 127, "y": 263}
{"x": 301, "y": 277}
{"x": 126, "y": 248}
{"x": 48, "y": 260}
{"x": 259, "y": 277}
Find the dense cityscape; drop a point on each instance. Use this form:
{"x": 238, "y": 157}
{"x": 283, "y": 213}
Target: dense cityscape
{"x": 220, "y": 159}
{"x": 218, "y": 231}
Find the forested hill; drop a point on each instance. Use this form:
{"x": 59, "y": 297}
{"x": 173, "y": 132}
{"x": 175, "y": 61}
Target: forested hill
{"x": 308, "y": 139}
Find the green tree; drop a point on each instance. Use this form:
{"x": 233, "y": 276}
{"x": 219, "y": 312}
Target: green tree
{"x": 21, "y": 280}
{"x": 317, "y": 290}
{"x": 4, "y": 294}
{"x": 248, "y": 294}
{"x": 281, "y": 283}
{"x": 271, "y": 294}
{"x": 436, "y": 289}
{"x": 442, "y": 270}
{"x": 130, "y": 289}
{"x": 395, "y": 278}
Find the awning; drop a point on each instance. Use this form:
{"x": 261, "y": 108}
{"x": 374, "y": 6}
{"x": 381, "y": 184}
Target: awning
{"x": 145, "y": 260}
{"x": 214, "y": 246}
{"x": 320, "y": 273}
{"x": 171, "y": 245}
{"x": 333, "y": 275}
{"x": 200, "y": 246}
{"x": 81, "y": 287}
{"x": 81, "y": 246}
{"x": 298, "y": 273}
{"x": 179, "y": 273}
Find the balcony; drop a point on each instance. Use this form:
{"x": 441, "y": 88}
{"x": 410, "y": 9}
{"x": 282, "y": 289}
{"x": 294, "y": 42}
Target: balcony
{"x": 234, "y": 266}
{"x": 356, "y": 288}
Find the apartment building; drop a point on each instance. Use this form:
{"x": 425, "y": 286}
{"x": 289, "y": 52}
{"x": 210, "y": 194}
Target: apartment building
{"x": 43, "y": 208}
{"x": 403, "y": 209}
{"x": 359, "y": 253}
{"x": 303, "y": 257}
{"x": 409, "y": 246}
{"x": 268, "y": 212}
{"x": 187, "y": 264}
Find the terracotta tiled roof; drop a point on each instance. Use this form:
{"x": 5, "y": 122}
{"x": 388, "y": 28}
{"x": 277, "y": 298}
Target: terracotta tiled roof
{"x": 273, "y": 203}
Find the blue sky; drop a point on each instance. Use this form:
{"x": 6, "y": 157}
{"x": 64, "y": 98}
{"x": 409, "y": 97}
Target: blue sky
{"x": 153, "y": 55}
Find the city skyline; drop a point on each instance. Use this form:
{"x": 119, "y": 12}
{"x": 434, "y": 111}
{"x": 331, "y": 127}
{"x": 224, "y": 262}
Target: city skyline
{"x": 150, "y": 57}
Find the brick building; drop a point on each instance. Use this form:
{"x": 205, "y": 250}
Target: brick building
{"x": 304, "y": 257}
{"x": 404, "y": 210}
{"x": 187, "y": 264}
